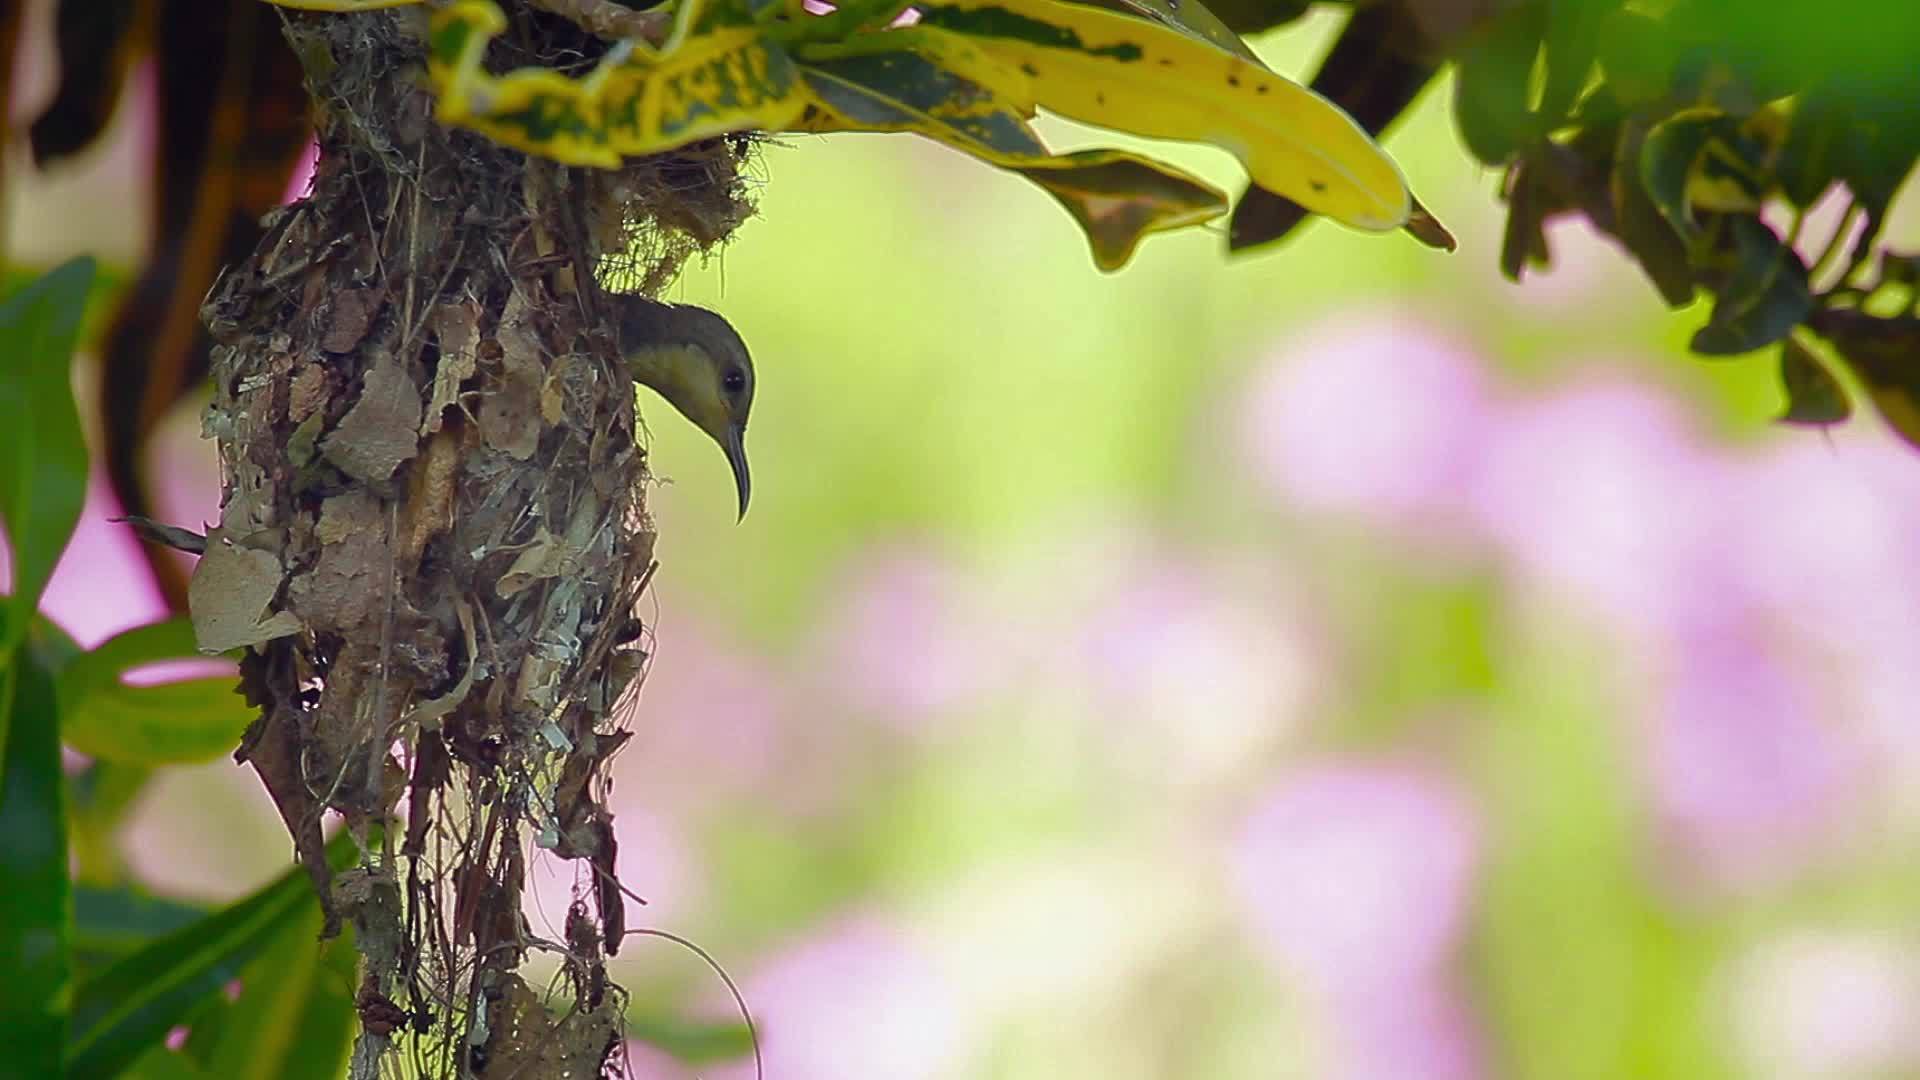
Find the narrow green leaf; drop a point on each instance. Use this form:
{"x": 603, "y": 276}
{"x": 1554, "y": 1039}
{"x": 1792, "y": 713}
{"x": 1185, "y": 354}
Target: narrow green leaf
{"x": 43, "y": 458}
{"x": 1764, "y": 298}
{"x": 110, "y": 924}
{"x": 1814, "y": 396}
{"x": 294, "y": 1017}
{"x": 35, "y": 979}
{"x": 160, "y": 1063}
{"x": 128, "y": 1008}
{"x": 194, "y": 719}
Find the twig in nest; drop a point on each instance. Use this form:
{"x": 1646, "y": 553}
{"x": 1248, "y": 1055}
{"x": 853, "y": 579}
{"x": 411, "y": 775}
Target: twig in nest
{"x": 604, "y": 18}
{"x": 173, "y": 536}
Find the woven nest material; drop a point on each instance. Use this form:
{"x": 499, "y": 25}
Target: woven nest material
{"x": 434, "y": 533}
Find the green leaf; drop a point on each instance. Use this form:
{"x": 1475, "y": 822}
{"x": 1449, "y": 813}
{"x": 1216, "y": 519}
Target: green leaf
{"x": 294, "y": 1017}
{"x": 160, "y": 1063}
{"x": 1136, "y": 76}
{"x": 1637, "y": 54}
{"x": 1764, "y": 298}
{"x": 35, "y": 979}
{"x": 691, "y": 1042}
{"x": 190, "y": 720}
{"x": 1667, "y": 157}
{"x": 43, "y": 458}
{"x": 1814, "y": 396}
{"x": 101, "y": 794}
{"x": 1490, "y": 88}
{"x": 1117, "y": 198}
{"x": 110, "y": 924}
{"x": 1571, "y": 44}
{"x": 1881, "y": 351}
{"x": 1647, "y": 233}
{"x": 130, "y": 1007}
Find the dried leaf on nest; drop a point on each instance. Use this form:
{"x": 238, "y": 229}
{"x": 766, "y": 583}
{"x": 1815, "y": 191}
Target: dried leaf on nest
{"x": 455, "y": 326}
{"x": 378, "y": 433}
{"x": 232, "y": 587}
{"x": 347, "y": 586}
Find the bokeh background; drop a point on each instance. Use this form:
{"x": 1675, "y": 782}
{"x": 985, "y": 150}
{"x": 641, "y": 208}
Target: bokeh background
{"x": 1335, "y": 663}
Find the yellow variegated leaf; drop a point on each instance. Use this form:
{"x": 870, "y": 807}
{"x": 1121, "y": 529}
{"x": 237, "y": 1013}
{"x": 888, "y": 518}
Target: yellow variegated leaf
{"x": 1132, "y": 75}
{"x": 638, "y": 100}
{"x": 1117, "y": 197}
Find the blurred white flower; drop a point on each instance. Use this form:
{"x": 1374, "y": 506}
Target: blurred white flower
{"x": 1820, "y": 1004}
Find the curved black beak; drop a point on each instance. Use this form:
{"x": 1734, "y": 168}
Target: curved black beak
{"x": 736, "y": 448}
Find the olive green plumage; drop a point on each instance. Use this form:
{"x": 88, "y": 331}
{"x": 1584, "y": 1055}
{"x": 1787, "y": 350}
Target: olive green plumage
{"x": 696, "y": 360}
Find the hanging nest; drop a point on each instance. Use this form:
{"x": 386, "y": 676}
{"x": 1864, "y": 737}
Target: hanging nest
{"x": 434, "y": 533}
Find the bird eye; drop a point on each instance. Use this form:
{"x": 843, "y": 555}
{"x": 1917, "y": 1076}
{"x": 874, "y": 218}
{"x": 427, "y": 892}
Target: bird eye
{"x": 733, "y": 381}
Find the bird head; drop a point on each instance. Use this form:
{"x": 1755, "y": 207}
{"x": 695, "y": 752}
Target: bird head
{"x": 696, "y": 360}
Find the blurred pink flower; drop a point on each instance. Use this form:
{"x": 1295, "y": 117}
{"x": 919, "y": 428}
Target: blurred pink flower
{"x": 1356, "y": 879}
{"x": 1192, "y": 675}
{"x": 101, "y": 585}
{"x": 1375, "y": 415}
{"x": 1746, "y": 773}
{"x": 1603, "y": 493}
{"x": 707, "y": 723}
{"x": 859, "y": 999}
{"x": 908, "y": 638}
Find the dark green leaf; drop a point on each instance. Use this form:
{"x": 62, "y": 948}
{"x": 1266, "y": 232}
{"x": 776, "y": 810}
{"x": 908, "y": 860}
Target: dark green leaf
{"x": 1814, "y": 396}
{"x": 129, "y": 1008}
{"x": 34, "y": 900}
{"x": 111, "y": 924}
{"x": 1667, "y": 158}
{"x": 1490, "y": 89}
{"x": 1646, "y": 233}
{"x": 43, "y": 459}
{"x": 161, "y": 1063}
{"x": 1763, "y": 299}
{"x": 1571, "y": 44}
{"x": 1637, "y": 54}
{"x": 1808, "y": 157}
{"x": 194, "y": 719}
{"x": 1881, "y": 351}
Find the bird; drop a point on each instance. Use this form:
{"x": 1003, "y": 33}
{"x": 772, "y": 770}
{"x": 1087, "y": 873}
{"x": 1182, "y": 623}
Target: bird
{"x": 696, "y": 360}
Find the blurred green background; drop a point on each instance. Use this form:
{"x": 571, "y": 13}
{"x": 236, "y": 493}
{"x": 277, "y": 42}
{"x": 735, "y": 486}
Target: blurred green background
{"x": 1339, "y": 662}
